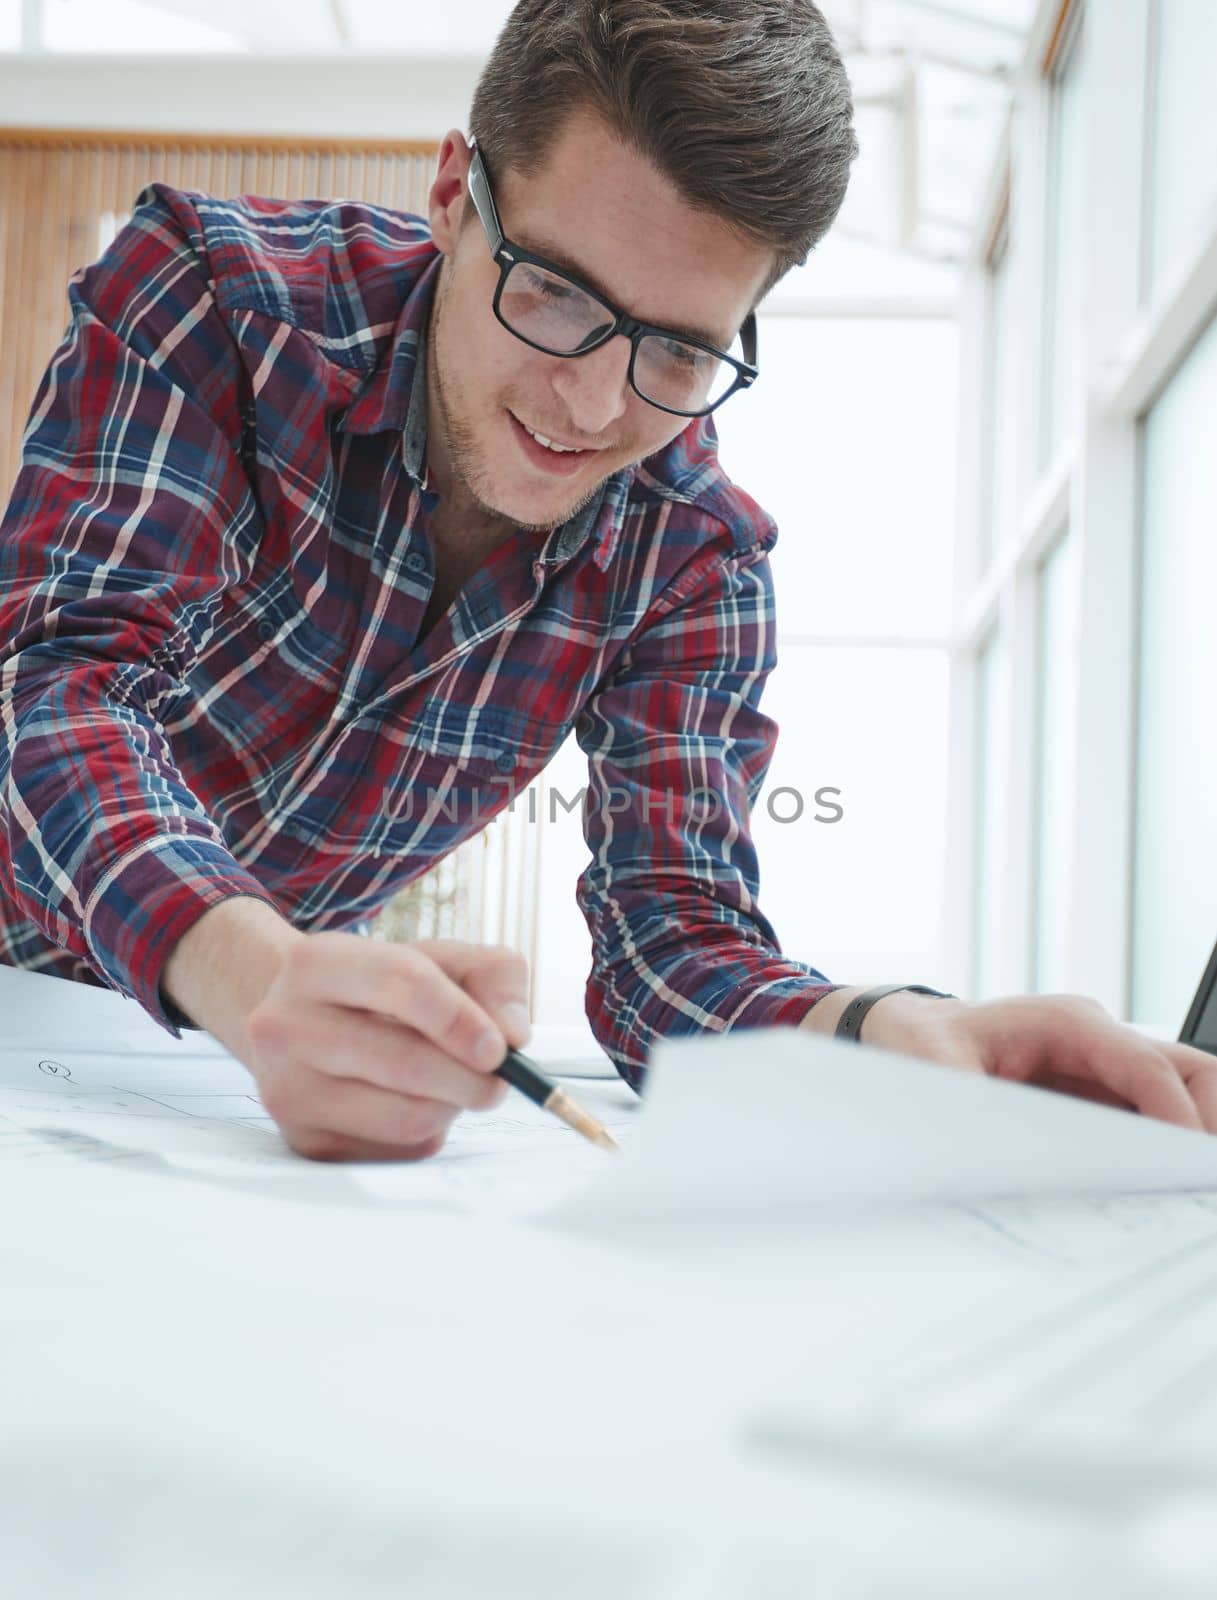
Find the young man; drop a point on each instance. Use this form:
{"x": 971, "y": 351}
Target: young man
{"x": 330, "y": 527}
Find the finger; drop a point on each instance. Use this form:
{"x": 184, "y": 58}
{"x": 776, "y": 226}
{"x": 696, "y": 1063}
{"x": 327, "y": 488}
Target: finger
{"x": 333, "y": 1109}
{"x": 402, "y": 982}
{"x": 463, "y": 959}
{"x": 1141, "y": 1073}
{"x": 1084, "y": 1089}
{"x": 1198, "y": 1069}
{"x": 319, "y": 1144}
{"x": 389, "y": 1055}
{"x": 499, "y": 983}
{"x": 1187, "y": 1057}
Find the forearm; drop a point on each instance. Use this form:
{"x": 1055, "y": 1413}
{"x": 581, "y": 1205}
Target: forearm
{"x": 222, "y": 966}
{"x": 103, "y": 845}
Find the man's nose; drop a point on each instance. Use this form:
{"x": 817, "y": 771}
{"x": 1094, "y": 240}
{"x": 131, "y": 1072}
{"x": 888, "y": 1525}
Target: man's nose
{"x": 595, "y": 387}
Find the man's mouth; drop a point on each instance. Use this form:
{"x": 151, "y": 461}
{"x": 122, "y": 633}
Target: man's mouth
{"x": 550, "y": 454}
{"x": 552, "y": 444}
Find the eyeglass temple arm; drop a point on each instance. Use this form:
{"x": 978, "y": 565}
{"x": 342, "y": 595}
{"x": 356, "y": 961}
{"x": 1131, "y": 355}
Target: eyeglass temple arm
{"x": 479, "y": 190}
{"x": 748, "y": 338}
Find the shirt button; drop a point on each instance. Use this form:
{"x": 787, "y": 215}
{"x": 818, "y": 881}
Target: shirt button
{"x": 505, "y": 761}
{"x": 266, "y": 629}
{"x": 415, "y": 562}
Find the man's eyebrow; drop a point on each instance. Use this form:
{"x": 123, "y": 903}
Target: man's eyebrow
{"x": 551, "y": 252}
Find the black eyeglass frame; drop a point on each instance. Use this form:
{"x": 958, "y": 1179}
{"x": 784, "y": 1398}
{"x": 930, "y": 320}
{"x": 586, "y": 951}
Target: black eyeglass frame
{"x": 507, "y": 254}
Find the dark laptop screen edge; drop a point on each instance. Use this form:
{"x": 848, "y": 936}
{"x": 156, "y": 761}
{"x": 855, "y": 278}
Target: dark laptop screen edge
{"x": 1200, "y": 1024}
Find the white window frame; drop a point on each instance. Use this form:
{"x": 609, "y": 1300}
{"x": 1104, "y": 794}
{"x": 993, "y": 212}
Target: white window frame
{"x": 1129, "y": 352}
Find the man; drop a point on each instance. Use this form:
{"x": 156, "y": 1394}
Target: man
{"x": 329, "y": 529}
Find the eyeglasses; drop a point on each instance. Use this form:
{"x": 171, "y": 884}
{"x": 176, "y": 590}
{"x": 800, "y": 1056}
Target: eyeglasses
{"x": 554, "y": 311}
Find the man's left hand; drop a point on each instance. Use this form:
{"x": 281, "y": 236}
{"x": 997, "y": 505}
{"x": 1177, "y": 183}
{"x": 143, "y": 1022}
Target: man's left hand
{"x": 1066, "y": 1042}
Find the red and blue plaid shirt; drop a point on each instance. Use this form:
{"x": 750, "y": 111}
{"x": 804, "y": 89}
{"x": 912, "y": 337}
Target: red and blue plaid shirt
{"x": 213, "y": 572}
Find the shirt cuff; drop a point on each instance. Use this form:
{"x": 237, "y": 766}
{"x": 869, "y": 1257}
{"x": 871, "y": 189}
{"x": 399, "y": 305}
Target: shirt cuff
{"x": 145, "y": 904}
{"x": 782, "y": 1003}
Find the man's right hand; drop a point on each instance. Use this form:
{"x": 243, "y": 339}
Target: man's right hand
{"x": 362, "y": 1049}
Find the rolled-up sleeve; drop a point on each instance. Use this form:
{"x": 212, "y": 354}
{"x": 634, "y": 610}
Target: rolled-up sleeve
{"x": 678, "y": 750}
{"x": 130, "y": 516}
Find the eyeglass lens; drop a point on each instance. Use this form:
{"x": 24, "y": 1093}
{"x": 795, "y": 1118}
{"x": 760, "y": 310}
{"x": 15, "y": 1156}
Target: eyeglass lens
{"x": 555, "y": 313}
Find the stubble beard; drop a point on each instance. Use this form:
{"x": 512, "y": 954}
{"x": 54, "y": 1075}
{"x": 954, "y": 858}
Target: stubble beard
{"x": 460, "y": 439}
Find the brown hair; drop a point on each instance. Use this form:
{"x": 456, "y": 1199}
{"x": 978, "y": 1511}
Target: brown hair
{"x": 744, "y": 105}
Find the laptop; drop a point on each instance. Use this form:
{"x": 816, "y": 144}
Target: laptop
{"x": 1200, "y": 1024}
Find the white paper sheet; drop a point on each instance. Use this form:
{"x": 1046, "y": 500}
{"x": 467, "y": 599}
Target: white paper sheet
{"x": 776, "y": 1123}
{"x": 86, "y": 1074}
{"x": 146, "y": 1111}
{"x": 766, "y": 1124}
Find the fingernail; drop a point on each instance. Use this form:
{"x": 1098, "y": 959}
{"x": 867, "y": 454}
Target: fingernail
{"x": 488, "y": 1051}
{"x": 515, "y": 1018}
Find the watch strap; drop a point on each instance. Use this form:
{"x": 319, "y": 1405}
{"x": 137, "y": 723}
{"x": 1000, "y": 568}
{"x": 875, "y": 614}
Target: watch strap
{"x": 176, "y": 1015}
{"x": 849, "y": 1026}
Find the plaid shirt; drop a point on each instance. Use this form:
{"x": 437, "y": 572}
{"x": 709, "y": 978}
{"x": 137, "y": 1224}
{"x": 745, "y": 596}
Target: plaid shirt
{"x": 213, "y": 572}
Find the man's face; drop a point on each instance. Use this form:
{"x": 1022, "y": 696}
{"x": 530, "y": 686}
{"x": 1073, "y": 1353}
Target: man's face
{"x": 604, "y": 212}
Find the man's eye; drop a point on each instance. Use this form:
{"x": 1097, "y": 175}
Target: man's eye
{"x": 683, "y": 354}
{"x": 545, "y": 286}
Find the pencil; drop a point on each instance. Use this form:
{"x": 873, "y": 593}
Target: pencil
{"x": 523, "y": 1075}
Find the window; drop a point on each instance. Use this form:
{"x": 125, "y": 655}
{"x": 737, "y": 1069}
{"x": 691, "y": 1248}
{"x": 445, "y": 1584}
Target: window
{"x": 847, "y": 440}
{"x": 860, "y": 896}
{"x": 1183, "y": 164}
{"x": 991, "y": 819}
{"x": 1001, "y": 400}
{"x": 128, "y": 25}
{"x": 1093, "y": 864}
{"x": 1066, "y": 236}
{"x": 1174, "y": 862}
{"x": 1056, "y": 740}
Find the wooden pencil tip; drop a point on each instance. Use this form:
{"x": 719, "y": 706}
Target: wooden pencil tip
{"x": 575, "y": 1117}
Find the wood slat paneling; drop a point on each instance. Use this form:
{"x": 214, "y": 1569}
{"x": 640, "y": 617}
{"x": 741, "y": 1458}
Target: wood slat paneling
{"x": 63, "y": 192}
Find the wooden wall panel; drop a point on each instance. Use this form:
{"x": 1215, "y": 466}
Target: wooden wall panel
{"x": 63, "y": 195}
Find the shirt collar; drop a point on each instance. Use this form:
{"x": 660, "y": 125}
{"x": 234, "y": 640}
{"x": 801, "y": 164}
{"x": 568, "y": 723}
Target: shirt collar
{"x": 386, "y": 399}
{"x": 414, "y": 432}
{"x": 574, "y": 533}
{"x": 395, "y": 398}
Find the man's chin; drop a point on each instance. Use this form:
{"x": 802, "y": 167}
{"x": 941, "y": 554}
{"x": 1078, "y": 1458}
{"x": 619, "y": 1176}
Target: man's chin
{"x": 534, "y": 513}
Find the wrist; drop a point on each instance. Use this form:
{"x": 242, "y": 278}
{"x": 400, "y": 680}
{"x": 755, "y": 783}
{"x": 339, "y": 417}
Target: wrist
{"x": 222, "y": 966}
{"x": 883, "y": 1019}
{"x": 826, "y": 1012}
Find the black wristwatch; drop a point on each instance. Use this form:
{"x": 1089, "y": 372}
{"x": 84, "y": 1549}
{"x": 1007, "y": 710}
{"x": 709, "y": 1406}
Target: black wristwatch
{"x": 176, "y": 1015}
{"x": 850, "y": 1024}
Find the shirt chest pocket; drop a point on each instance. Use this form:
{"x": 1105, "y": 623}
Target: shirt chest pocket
{"x": 420, "y": 783}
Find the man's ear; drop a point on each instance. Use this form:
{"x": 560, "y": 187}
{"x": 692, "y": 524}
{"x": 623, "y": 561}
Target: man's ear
{"x": 446, "y": 203}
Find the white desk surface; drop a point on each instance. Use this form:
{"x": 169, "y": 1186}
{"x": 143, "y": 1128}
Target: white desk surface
{"x": 214, "y": 1381}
